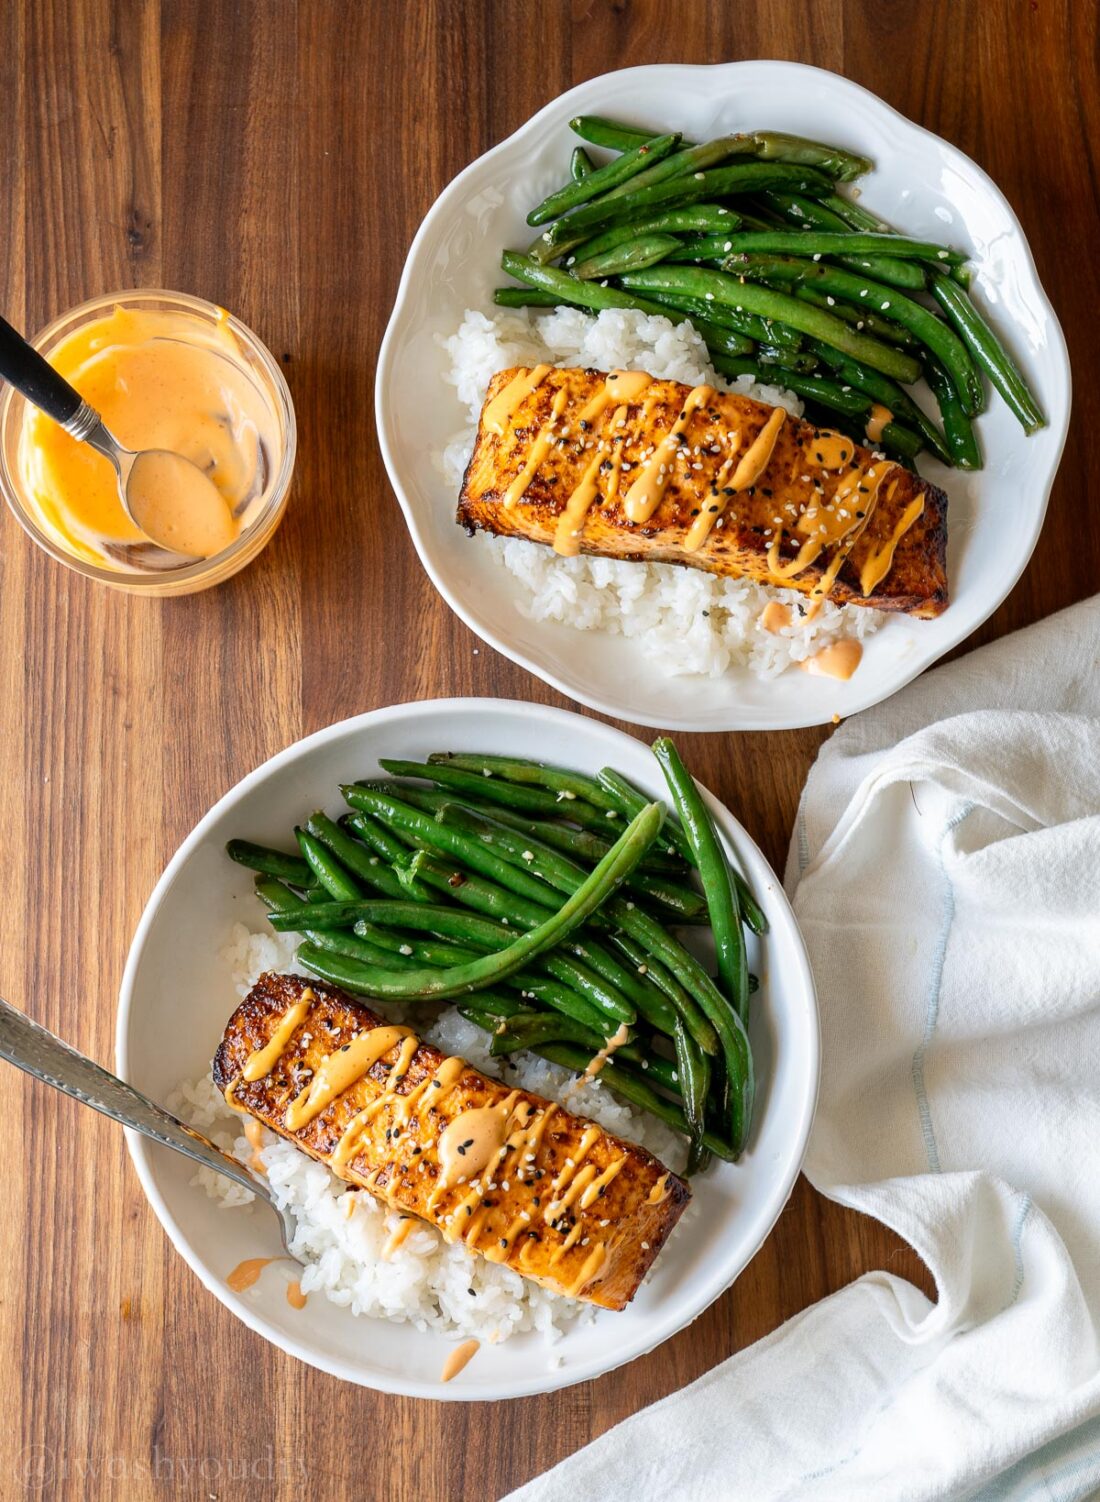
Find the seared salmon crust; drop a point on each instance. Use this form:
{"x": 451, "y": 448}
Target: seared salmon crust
{"x": 578, "y": 1179}
{"x": 791, "y": 482}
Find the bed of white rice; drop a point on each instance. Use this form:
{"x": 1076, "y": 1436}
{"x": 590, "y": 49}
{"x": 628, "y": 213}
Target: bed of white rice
{"x": 693, "y": 623}
{"x": 342, "y": 1233}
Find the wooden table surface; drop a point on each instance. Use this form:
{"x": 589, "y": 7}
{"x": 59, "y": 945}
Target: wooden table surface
{"x": 277, "y": 158}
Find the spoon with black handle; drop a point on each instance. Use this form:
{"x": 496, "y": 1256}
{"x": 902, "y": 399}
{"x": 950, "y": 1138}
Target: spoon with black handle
{"x": 38, "y": 1052}
{"x": 141, "y": 476}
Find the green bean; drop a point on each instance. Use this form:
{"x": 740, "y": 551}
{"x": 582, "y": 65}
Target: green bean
{"x": 833, "y": 160}
{"x": 498, "y": 902}
{"x": 598, "y": 131}
{"x": 335, "y": 879}
{"x": 321, "y": 915}
{"x": 489, "y": 935}
{"x": 595, "y": 296}
{"x": 693, "y": 1068}
{"x": 582, "y": 844}
{"x": 528, "y": 853}
{"x": 651, "y": 1005}
{"x": 700, "y": 248}
{"x": 488, "y": 1008}
{"x": 751, "y": 911}
{"x": 800, "y": 361}
{"x": 883, "y": 390}
{"x": 422, "y": 830}
{"x": 630, "y": 801}
{"x": 699, "y": 218}
{"x": 474, "y": 891}
{"x": 289, "y": 914}
{"x": 530, "y": 800}
{"x": 525, "y": 1030}
{"x": 860, "y": 219}
{"x": 447, "y": 922}
{"x": 719, "y": 182}
{"x": 270, "y": 862}
{"x": 526, "y": 297}
{"x": 933, "y": 333}
{"x": 591, "y": 295}
{"x": 687, "y": 162}
{"x": 736, "y": 1051}
{"x": 377, "y": 836}
{"x": 565, "y": 1002}
{"x": 847, "y": 243}
{"x": 632, "y": 255}
{"x": 629, "y": 165}
{"x": 628, "y": 1084}
{"x": 592, "y": 987}
{"x": 597, "y": 888}
{"x": 811, "y": 213}
{"x": 276, "y": 896}
{"x": 327, "y": 869}
{"x": 989, "y": 353}
{"x": 581, "y": 165}
{"x": 741, "y": 323}
{"x": 723, "y": 288}
{"x": 958, "y": 431}
{"x": 710, "y": 861}
{"x": 486, "y": 898}
{"x": 651, "y": 969}
{"x": 352, "y": 856}
{"x": 855, "y": 214}
{"x": 562, "y": 782}
{"x": 864, "y": 320}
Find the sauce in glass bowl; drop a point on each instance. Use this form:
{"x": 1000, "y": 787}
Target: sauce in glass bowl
{"x": 166, "y": 372}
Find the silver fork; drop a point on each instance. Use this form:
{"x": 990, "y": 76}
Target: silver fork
{"x": 37, "y": 1051}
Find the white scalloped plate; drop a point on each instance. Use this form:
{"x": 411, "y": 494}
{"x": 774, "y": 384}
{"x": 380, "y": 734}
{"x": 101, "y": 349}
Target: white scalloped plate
{"x": 177, "y": 996}
{"x": 921, "y": 184}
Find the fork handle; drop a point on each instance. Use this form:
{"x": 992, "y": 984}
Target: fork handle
{"x": 38, "y": 1052}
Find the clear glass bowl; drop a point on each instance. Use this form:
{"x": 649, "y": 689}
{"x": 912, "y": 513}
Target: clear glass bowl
{"x": 263, "y": 369}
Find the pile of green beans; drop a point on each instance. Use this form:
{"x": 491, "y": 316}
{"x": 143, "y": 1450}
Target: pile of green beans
{"x": 552, "y": 907}
{"x": 784, "y": 278}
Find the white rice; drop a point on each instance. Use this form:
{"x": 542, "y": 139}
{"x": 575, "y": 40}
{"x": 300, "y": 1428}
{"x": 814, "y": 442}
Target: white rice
{"x": 693, "y": 623}
{"x": 341, "y": 1234}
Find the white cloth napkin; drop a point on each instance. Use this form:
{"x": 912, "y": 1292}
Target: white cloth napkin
{"x": 946, "y": 873}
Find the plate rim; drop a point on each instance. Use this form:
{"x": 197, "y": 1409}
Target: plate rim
{"x": 553, "y": 1379}
{"x": 913, "y": 664}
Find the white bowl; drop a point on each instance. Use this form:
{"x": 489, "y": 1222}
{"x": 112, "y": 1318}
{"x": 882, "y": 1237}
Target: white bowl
{"x": 177, "y": 996}
{"x": 921, "y": 184}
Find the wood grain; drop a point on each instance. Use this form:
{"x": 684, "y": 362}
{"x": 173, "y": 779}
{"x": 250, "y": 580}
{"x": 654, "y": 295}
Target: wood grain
{"x": 277, "y": 157}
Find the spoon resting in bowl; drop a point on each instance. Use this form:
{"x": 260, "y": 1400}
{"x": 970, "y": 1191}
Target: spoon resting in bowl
{"x": 167, "y": 497}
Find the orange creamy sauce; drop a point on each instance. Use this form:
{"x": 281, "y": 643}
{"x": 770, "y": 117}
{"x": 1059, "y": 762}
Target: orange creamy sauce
{"x": 160, "y": 380}
{"x": 247, "y": 1272}
{"x": 459, "y": 1358}
{"x": 839, "y": 660}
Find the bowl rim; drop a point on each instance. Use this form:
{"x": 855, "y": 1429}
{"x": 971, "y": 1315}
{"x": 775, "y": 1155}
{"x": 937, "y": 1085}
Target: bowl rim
{"x": 245, "y": 546}
{"x": 801, "y": 983}
{"x": 788, "y": 74}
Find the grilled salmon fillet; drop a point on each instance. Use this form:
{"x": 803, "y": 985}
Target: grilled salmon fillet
{"x": 737, "y": 490}
{"x": 516, "y": 1178}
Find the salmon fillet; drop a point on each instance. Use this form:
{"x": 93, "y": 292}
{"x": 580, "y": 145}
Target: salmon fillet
{"x": 559, "y": 1199}
{"x": 530, "y": 462}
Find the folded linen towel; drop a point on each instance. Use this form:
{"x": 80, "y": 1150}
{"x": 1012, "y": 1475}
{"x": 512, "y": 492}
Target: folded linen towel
{"x": 945, "y": 870}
